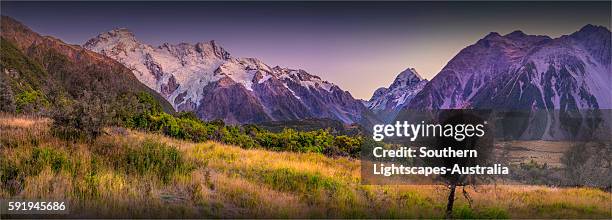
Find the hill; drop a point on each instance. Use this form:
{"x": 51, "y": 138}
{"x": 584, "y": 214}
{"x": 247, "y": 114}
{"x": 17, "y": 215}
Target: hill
{"x": 127, "y": 173}
{"x": 42, "y": 74}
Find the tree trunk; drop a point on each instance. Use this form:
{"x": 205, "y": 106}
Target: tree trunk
{"x": 451, "y": 200}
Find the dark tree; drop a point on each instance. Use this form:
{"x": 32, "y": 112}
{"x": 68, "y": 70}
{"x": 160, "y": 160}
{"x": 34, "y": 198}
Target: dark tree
{"x": 483, "y": 145}
{"x": 588, "y": 164}
{"x": 7, "y": 99}
{"x": 83, "y": 120}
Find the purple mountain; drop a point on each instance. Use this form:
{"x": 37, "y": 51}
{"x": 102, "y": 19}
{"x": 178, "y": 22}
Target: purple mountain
{"x": 519, "y": 71}
{"x": 387, "y": 102}
{"x": 206, "y": 79}
{"x": 559, "y": 85}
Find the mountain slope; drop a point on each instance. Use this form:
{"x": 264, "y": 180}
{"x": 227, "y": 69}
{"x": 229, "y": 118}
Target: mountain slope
{"x": 44, "y": 73}
{"x": 561, "y": 86}
{"x": 519, "y": 71}
{"x": 387, "y": 102}
{"x": 204, "y": 78}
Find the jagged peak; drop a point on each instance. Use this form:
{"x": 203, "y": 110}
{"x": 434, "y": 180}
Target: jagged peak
{"x": 492, "y": 35}
{"x": 209, "y": 43}
{"x": 593, "y": 28}
{"x": 118, "y": 33}
{"x": 516, "y": 38}
{"x": 214, "y": 47}
{"x": 408, "y": 77}
{"x": 252, "y": 59}
{"x": 590, "y": 31}
{"x": 520, "y": 36}
{"x": 206, "y": 47}
{"x": 214, "y": 43}
{"x": 379, "y": 92}
{"x": 284, "y": 70}
{"x": 516, "y": 34}
{"x": 122, "y": 30}
{"x": 409, "y": 73}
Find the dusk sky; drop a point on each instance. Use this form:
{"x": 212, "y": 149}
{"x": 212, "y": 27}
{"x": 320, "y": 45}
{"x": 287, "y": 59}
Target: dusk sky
{"x": 359, "y": 46}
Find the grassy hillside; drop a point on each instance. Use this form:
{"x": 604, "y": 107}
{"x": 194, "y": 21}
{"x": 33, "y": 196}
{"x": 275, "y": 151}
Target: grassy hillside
{"x": 40, "y": 74}
{"x": 126, "y": 173}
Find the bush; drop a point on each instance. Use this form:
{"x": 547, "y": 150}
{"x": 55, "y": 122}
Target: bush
{"x": 7, "y": 102}
{"x": 30, "y": 101}
{"x": 85, "y": 119}
{"x": 78, "y": 122}
{"x": 10, "y": 176}
{"x": 187, "y": 126}
{"x": 588, "y": 164}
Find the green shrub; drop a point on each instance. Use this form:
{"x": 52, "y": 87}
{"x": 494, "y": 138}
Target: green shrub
{"x": 155, "y": 158}
{"x": 289, "y": 180}
{"x": 43, "y": 157}
{"x": 187, "y": 126}
{"x": 10, "y": 176}
{"x": 30, "y": 101}
{"x": 82, "y": 121}
{"x": 464, "y": 212}
{"x": 494, "y": 213}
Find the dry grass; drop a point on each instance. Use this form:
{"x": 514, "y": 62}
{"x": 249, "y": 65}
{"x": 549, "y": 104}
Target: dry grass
{"x": 541, "y": 152}
{"x": 232, "y": 182}
{"x": 12, "y": 122}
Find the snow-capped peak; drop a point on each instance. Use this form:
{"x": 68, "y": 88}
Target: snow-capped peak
{"x": 406, "y": 77}
{"x": 204, "y": 78}
{"x": 115, "y": 34}
{"x": 520, "y": 71}
{"x": 118, "y": 33}
{"x": 387, "y": 102}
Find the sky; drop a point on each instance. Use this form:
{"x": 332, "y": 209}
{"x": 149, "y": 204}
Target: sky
{"x": 359, "y": 46}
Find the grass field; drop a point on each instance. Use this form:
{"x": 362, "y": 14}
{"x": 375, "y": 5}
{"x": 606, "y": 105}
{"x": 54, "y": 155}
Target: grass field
{"x": 542, "y": 152}
{"x": 128, "y": 173}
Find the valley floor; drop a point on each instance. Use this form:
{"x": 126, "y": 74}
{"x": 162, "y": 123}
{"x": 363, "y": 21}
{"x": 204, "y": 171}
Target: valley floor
{"x": 127, "y": 173}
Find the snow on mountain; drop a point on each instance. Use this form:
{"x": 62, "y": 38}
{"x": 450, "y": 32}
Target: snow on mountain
{"x": 166, "y": 67}
{"x": 556, "y": 83}
{"x": 387, "y": 102}
{"x": 520, "y": 71}
{"x": 204, "y": 78}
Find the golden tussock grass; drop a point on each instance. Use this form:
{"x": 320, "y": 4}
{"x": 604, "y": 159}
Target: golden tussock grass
{"x": 102, "y": 179}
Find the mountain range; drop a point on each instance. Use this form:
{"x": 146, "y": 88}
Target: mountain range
{"x": 515, "y": 71}
{"x": 525, "y": 72}
{"x": 206, "y": 79}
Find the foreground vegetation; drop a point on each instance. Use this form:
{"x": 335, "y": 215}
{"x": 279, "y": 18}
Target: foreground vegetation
{"x": 187, "y": 126}
{"x": 128, "y": 173}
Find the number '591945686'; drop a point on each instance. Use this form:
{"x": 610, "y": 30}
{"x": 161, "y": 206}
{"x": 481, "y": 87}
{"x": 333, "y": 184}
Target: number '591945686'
{"x": 33, "y": 207}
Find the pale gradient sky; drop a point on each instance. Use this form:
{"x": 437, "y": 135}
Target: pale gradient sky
{"x": 359, "y": 46}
